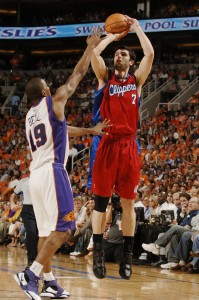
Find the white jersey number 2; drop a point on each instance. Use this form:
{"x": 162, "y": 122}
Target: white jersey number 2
{"x": 134, "y": 98}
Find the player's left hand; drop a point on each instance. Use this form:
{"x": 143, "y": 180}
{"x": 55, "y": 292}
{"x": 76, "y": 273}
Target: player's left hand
{"x": 98, "y": 129}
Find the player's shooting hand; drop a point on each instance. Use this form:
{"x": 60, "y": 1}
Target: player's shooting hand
{"x": 121, "y": 35}
{"x": 98, "y": 129}
{"x": 117, "y": 36}
{"x": 133, "y": 23}
{"x": 94, "y": 39}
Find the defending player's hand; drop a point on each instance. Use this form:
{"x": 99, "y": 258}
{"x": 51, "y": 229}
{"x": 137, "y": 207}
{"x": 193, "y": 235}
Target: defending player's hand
{"x": 94, "y": 39}
{"x": 98, "y": 129}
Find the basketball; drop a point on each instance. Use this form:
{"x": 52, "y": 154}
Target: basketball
{"x": 116, "y": 23}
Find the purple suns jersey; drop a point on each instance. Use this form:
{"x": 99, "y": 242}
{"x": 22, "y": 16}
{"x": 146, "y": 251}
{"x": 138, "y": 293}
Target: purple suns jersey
{"x": 47, "y": 136}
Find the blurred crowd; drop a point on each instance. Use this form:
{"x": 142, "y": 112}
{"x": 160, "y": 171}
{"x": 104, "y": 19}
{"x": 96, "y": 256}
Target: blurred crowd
{"x": 166, "y": 9}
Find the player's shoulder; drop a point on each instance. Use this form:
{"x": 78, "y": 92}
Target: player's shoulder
{"x": 132, "y": 76}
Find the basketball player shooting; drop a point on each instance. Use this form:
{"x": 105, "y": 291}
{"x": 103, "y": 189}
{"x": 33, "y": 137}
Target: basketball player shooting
{"x": 117, "y": 163}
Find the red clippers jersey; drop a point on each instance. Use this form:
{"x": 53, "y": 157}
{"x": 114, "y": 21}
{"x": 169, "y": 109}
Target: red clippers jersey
{"x": 120, "y": 105}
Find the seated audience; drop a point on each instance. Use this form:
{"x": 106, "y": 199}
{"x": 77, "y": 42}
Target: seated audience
{"x": 173, "y": 235}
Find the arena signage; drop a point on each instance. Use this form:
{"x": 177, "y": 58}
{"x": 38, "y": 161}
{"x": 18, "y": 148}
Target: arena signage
{"x": 76, "y": 30}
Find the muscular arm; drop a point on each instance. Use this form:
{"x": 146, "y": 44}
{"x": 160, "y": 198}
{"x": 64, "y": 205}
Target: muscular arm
{"x": 97, "y": 62}
{"x": 96, "y": 130}
{"x": 78, "y": 131}
{"x": 146, "y": 63}
{"x": 65, "y": 91}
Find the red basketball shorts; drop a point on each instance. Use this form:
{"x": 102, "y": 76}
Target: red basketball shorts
{"x": 116, "y": 168}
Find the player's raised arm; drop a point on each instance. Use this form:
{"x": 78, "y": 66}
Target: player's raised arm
{"x": 66, "y": 90}
{"x": 146, "y": 63}
{"x": 97, "y": 62}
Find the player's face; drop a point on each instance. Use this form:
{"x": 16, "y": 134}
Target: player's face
{"x": 46, "y": 89}
{"x": 122, "y": 60}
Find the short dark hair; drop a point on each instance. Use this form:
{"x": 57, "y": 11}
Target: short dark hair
{"x": 34, "y": 88}
{"x": 131, "y": 52}
{"x": 185, "y": 195}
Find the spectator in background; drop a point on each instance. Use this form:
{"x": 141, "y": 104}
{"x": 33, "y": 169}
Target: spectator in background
{"x": 113, "y": 237}
{"x": 80, "y": 212}
{"x": 183, "y": 209}
{"x": 72, "y": 154}
{"x": 169, "y": 205}
{"x": 138, "y": 199}
{"x": 182, "y": 251}
{"x": 28, "y": 217}
{"x": 154, "y": 205}
{"x": 4, "y": 223}
{"x": 79, "y": 146}
{"x": 173, "y": 235}
{"x": 195, "y": 247}
{"x": 83, "y": 234}
{"x": 147, "y": 209}
{"x": 176, "y": 199}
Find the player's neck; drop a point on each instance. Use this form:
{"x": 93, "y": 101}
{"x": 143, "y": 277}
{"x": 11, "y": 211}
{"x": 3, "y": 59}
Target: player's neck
{"x": 34, "y": 102}
{"x": 122, "y": 76}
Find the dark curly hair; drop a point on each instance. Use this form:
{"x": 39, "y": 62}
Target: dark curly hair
{"x": 131, "y": 52}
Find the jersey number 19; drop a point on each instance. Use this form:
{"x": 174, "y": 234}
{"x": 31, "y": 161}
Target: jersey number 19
{"x": 39, "y": 135}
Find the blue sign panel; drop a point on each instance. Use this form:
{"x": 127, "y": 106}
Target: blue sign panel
{"x": 76, "y": 30}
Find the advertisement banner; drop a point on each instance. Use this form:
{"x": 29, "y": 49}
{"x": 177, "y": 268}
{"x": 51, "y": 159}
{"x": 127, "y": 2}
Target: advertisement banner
{"x": 76, "y": 30}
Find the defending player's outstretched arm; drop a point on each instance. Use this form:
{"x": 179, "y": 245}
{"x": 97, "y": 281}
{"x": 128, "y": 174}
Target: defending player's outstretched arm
{"x": 96, "y": 130}
{"x": 66, "y": 90}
